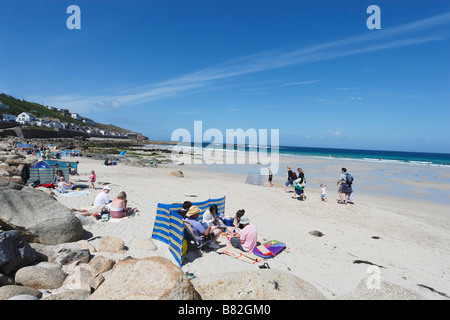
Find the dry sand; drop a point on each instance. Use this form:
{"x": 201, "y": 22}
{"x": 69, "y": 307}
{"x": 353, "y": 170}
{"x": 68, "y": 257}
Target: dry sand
{"x": 408, "y": 238}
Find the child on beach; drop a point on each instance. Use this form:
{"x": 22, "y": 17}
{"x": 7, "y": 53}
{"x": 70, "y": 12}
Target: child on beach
{"x": 92, "y": 179}
{"x": 323, "y": 193}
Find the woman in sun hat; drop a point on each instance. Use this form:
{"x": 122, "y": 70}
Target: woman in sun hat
{"x": 199, "y": 230}
{"x": 247, "y": 239}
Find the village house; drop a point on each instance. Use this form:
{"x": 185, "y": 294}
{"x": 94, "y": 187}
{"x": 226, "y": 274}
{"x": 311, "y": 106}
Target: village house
{"x": 24, "y": 118}
{"x": 8, "y": 117}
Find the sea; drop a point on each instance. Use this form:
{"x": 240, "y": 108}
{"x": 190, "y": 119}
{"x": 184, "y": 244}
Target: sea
{"x": 413, "y": 158}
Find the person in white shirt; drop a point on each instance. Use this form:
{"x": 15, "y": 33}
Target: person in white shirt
{"x": 102, "y": 199}
{"x": 210, "y": 216}
{"x": 323, "y": 192}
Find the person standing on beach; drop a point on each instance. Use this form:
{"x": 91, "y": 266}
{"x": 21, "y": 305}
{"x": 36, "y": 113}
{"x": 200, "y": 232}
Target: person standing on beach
{"x": 290, "y": 179}
{"x": 301, "y": 181}
{"x": 92, "y": 179}
{"x": 344, "y": 189}
{"x": 270, "y": 177}
{"x": 323, "y": 192}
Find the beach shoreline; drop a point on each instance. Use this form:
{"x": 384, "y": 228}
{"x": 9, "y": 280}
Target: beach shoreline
{"x": 409, "y": 239}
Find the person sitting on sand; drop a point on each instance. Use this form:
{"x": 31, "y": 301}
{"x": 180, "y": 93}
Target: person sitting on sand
{"x": 247, "y": 239}
{"x": 236, "y": 222}
{"x": 57, "y": 177}
{"x": 101, "y": 199}
{"x": 210, "y": 216}
{"x": 200, "y": 232}
{"x": 107, "y": 163}
{"x": 118, "y": 207}
{"x": 184, "y": 210}
{"x": 63, "y": 185}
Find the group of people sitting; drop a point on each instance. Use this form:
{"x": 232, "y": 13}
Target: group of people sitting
{"x": 117, "y": 208}
{"x": 243, "y": 234}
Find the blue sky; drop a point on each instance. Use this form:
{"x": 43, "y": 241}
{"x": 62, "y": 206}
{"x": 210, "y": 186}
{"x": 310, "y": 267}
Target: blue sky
{"x": 311, "y": 69}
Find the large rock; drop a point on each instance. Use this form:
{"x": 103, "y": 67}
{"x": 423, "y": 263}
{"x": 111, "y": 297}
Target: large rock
{"x": 102, "y": 264}
{"x": 7, "y": 292}
{"x": 152, "y": 278}
{"x": 15, "y": 252}
{"x": 111, "y": 245}
{"x": 178, "y": 174}
{"x": 256, "y": 285}
{"x": 83, "y": 277}
{"x": 77, "y": 294}
{"x": 39, "y": 217}
{"x": 40, "y": 278}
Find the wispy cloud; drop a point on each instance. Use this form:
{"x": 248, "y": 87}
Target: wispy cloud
{"x": 385, "y": 39}
{"x": 300, "y": 83}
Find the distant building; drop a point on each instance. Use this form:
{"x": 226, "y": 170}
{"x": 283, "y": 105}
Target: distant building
{"x": 24, "y": 118}
{"x": 132, "y": 136}
{"x": 87, "y": 121}
{"x": 9, "y": 118}
{"x": 4, "y": 106}
{"x": 75, "y": 116}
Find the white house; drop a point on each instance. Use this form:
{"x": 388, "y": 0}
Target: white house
{"x": 24, "y": 118}
{"x": 8, "y": 117}
{"x": 76, "y": 116}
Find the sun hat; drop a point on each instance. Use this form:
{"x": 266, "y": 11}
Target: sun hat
{"x": 107, "y": 188}
{"x": 193, "y": 211}
{"x": 244, "y": 220}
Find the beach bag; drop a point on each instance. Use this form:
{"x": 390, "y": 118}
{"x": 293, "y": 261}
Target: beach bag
{"x": 351, "y": 198}
{"x": 348, "y": 179}
{"x": 303, "y": 184}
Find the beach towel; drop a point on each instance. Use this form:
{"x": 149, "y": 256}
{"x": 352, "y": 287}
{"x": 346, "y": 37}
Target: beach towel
{"x": 75, "y": 193}
{"x": 248, "y": 257}
{"x": 269, "y": 249}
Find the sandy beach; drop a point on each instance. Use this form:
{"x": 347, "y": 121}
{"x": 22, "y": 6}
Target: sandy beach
{"x": 406, "y": 238}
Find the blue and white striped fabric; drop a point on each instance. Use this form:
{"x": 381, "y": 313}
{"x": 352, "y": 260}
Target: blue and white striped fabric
{"x": 64, "y": 164}
{"x": 45, "y": 175}
{"x": 169, "y": 225}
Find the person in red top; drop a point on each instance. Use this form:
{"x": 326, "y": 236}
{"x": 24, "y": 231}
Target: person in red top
{"x": 92, "y": 179}
{"x": 247, "y": 239}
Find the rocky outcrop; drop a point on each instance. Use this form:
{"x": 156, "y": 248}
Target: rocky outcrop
{"x": 38, "y": 216}
{"x": 152, "y": 278}
{"x": 256, "y": 285}
{"x": 15, "y": 252}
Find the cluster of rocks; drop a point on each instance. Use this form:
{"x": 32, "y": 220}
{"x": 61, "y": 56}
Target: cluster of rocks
{"x": 12, "y": 161}
{"x": 43, "y": 256}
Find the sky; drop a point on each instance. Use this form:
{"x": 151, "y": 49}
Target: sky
{"x": 311, "y": 69}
